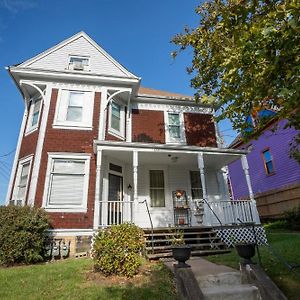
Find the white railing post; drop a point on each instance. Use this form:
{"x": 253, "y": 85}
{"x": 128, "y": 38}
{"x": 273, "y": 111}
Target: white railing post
{"x": 135, "y": 181}
{"x": 98, "y": 189}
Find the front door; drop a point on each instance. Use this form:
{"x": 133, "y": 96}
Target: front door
{"x": 115, "y": 199}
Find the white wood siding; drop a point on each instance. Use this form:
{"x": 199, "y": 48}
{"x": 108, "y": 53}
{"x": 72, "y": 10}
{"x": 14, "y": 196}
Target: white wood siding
{"x": 58, "y": 60}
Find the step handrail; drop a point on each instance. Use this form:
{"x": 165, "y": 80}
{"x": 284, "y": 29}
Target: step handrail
{"x": 151, "y": 223}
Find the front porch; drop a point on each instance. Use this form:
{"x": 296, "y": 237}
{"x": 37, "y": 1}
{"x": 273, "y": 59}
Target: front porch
{"x": 136, "y": 183}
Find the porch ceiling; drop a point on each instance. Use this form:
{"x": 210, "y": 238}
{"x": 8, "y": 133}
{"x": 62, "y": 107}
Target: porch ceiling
{"x": 212, "y": 160}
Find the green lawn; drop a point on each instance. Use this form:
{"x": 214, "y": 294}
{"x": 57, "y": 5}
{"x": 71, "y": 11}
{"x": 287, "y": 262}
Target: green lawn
{"x": 74, "y": 279}
{"x": 287, "y": 244}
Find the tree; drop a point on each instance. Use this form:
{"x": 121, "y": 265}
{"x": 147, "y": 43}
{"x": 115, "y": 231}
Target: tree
{"x": 246, "y": 57}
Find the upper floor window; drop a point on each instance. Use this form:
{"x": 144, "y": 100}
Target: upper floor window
{"x": 78, "y": 63}
{"x": 67, "y": 182}
{"x": 21, "y": 182}
{"x": 34, "y": 114}
{"x": 174, "y": 127}
{"x": 268, "y": 162}
{"x": 116, "y": 119}
{"x": 74, "y": 109}
{"x": 157, "y": 188}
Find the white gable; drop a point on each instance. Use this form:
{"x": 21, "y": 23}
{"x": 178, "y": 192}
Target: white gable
{"x": 57, "y": 58}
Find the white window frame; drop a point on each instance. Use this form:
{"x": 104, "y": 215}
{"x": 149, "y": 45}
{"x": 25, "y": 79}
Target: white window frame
{"x": 21, "y": 163}
{"x": 85, "y": 68}
{"x": 66, "y": 208}
{"x": 191, "y": 188}
{"x": 169, "y": 139}
{"x": 121, "y": 133}
{"x": 29, "y": 127}
{"x": 165, "y": 188}
{"x": 60, "y": 119}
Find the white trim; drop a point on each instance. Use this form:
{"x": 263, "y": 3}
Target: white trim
{"x": 169, "y": 139}
{"x": 67, "y": 208}
{"x": 98, "y": 189}
{"x": 39, "y": 146}
{"x": 101, "y": 129}
{"x": 70, "y": 40}
{"x": 189, "y": 107}
{"x": 21, "y": 163}
{"x": 16, "y": 158}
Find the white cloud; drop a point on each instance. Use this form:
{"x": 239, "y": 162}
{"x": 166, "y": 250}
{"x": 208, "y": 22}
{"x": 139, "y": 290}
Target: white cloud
{"x": 14, "y": 6}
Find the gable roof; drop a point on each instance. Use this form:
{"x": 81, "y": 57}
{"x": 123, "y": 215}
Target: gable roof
{"x": 80, "y": 42}
{"x": 149, "y": 92}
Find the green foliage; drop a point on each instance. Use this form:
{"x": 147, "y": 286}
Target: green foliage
{"x": 292, "y": 218}
{"x": 117, "y": 250}
{"x": 279, "y": 224}
{"x": 176, "y": 237}
{"x": 245, "y": 58}
{"x": 22, "y": 234}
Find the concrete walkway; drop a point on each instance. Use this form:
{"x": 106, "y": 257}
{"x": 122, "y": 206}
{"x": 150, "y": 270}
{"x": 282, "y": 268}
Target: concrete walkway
{"x": 218, "y": 281}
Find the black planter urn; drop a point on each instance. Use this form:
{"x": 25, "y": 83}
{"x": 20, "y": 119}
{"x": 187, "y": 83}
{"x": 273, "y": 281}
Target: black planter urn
{"x": 181, "y": 253}
{"x": 246, "y": 251}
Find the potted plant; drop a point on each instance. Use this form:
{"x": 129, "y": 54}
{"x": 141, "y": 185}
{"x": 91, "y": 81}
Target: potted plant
{"x": 180, "y": 251}
{"x": 246, "y": 250}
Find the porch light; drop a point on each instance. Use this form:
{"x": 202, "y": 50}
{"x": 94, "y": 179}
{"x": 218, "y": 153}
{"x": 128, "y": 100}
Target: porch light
{"x": 129, "y": 187}
{"x": 174, "y": 159}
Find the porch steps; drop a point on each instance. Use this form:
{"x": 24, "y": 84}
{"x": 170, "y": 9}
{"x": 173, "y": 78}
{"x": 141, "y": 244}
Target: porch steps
{"x": 203, "y": 241}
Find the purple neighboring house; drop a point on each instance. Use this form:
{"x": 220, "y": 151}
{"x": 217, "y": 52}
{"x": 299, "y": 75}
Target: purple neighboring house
{"x": 275, "y": 177}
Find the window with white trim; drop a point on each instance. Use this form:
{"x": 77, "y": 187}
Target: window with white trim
{"x": 174, "y": 127}
{"x": 196, "y": 186}
{"x": 34, "y": 114}
{"x": 67, "y": 183}
{"x": 78, "y": 63}
{"x": 116, "y": 119}
{"x": 74, "y": 109}
{"x": 21, "y": 182}
{"x": 157, "y": 188}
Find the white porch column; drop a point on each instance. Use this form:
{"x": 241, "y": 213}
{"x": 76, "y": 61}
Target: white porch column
{"x": 202, "y": 175}
{"x": 246, "y": 171}
{"x": 135, "y": 180}
{"x": 98, "y": 190}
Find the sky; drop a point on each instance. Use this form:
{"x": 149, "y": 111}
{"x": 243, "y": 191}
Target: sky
{"x": 136, "y": 33}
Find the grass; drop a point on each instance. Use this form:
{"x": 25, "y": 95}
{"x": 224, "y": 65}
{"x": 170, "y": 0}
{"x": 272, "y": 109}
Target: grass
{"x": 287, "y": 244}
{"x": 74, "y": 279}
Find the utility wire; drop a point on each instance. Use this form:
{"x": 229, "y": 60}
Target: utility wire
{"x": 8, "y": 153}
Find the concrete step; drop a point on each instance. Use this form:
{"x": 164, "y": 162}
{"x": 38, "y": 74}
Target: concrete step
{"x": 220, "y": 279}
{"x": 233, "y": 292}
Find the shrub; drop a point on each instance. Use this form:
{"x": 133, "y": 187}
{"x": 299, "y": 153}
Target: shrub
{"x": 278, "y": 224}
{"x": 22, "y": 234}
{"x": 117, "y": 250}
{"x": 292, "y": 218}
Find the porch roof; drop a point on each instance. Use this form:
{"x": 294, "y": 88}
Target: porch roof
{"x": 169, "y": 153}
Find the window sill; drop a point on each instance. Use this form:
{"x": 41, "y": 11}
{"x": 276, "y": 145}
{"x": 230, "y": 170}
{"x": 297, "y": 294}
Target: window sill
{"x": 71, "y": 126}
{"x": 116, "y": 134}
{"x": 31, "y": 130}
{"x": 66, "y": 209}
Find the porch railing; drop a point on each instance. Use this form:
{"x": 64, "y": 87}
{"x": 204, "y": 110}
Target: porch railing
{"x": 115, "y": 212}
{"x": 232, "y": 212}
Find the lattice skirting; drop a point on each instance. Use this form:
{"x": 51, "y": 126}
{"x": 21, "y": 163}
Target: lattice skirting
{"x": 234, "y": 234}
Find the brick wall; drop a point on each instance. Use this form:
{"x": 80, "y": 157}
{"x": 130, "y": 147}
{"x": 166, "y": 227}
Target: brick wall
{"x": 148, "y": 126}
{"x": 200, "y": 130}
{"x": 77, "y": 141}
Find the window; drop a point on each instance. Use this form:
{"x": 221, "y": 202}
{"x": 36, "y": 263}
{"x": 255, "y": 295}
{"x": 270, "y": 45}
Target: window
{"x": 174, "y": 127}
{"x": 78, "y": 63}
{"x": 116, "y": 119}
{"x": 268, "y": 162}
{"x": 74, "y": 109}
{"x": 67, "y": 183}
{"x": 196, "y": 186}
{"x": 157, "y": 188}
{"x": 21, "y": 182}
{"x": 34, "y": 114}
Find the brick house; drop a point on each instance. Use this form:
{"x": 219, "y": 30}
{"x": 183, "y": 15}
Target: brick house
{"x": 95, "y": 147}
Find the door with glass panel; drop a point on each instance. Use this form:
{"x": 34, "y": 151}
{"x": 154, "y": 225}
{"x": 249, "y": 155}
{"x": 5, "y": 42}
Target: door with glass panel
{"x": 115, "y": 200}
